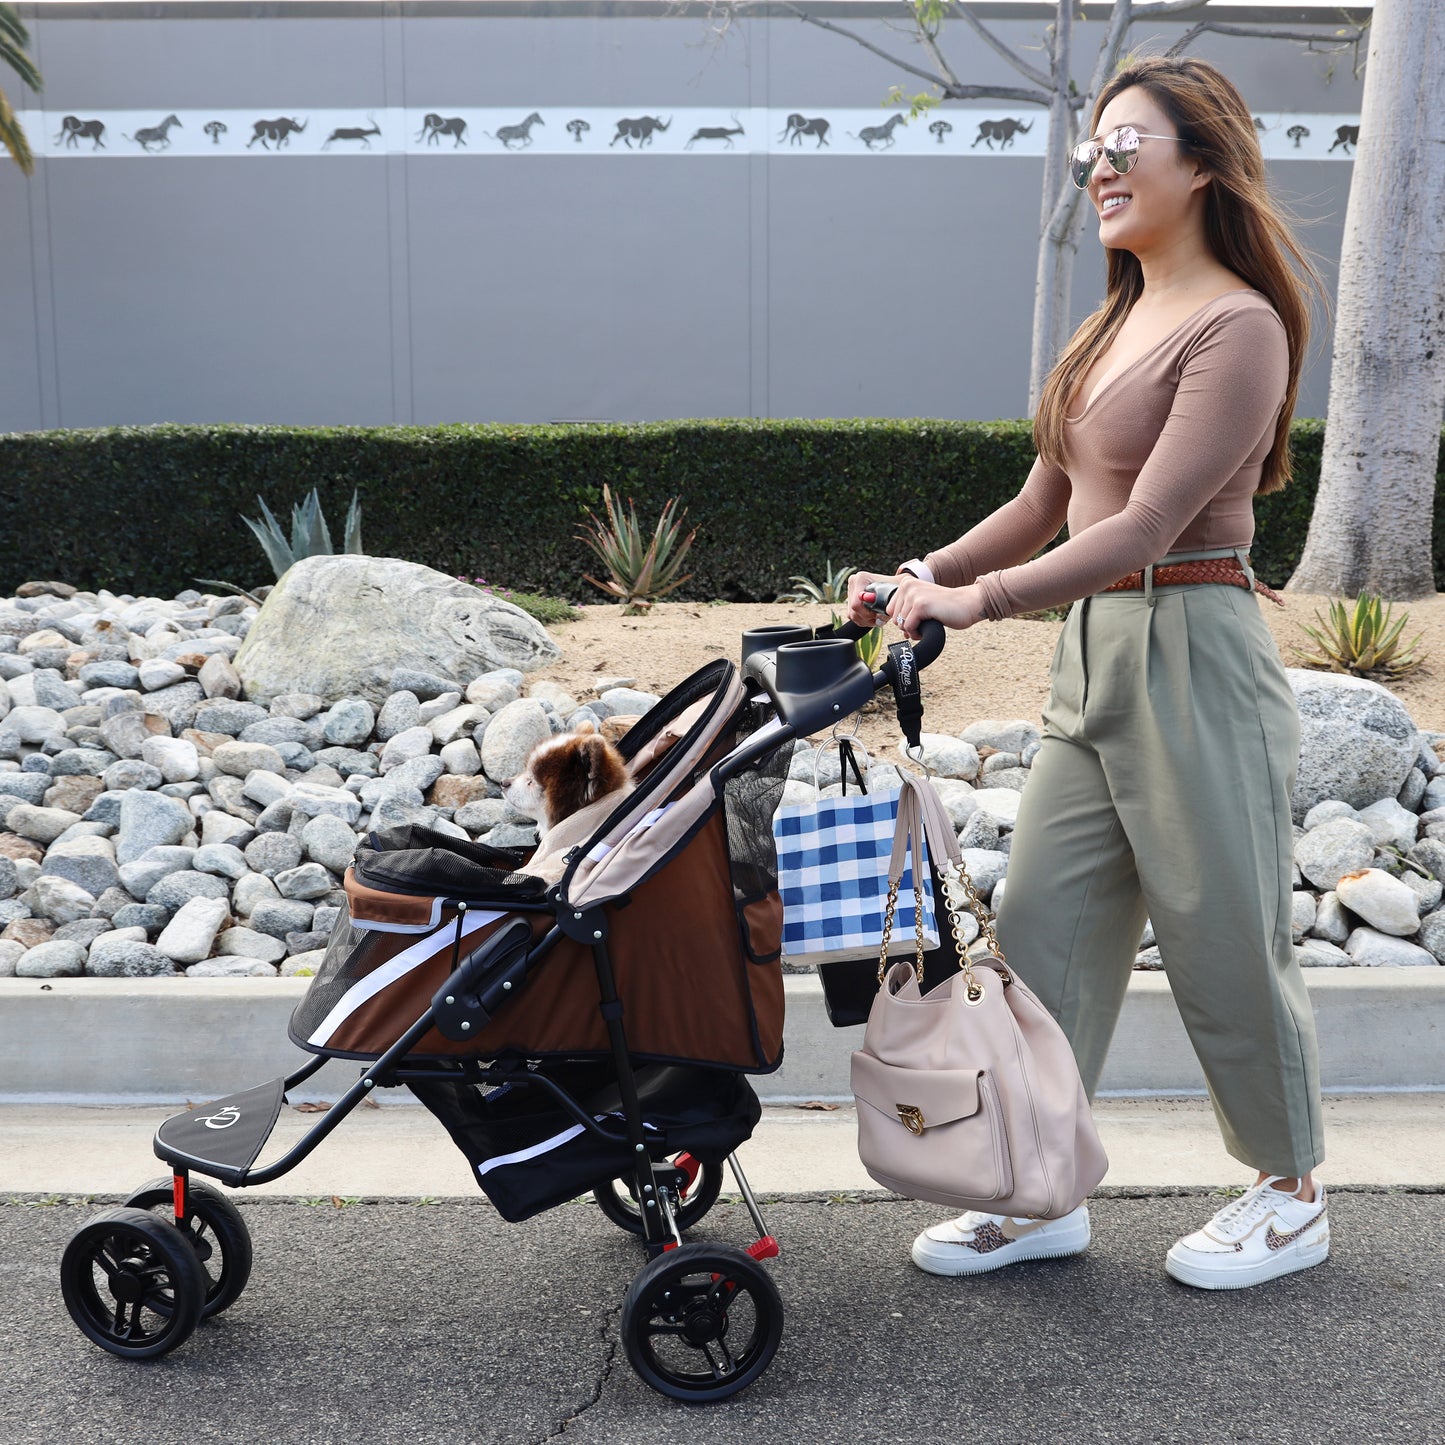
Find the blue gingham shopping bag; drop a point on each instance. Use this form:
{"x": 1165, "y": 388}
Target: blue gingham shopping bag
{"x": 833, "y": 858}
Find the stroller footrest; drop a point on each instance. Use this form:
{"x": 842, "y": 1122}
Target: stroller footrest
{"x": 222, "y": 1139}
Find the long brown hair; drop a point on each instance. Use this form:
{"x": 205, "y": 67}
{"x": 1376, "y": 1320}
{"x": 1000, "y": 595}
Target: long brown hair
{"x": 1245, "y": 227}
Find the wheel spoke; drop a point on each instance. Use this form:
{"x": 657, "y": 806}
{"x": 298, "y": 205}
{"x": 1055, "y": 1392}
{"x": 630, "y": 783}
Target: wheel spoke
{"x": 728, "y": 1366}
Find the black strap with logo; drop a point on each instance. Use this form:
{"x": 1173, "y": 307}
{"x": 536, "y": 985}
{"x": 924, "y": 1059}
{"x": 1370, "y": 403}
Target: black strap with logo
{"x": 907, "y": 691}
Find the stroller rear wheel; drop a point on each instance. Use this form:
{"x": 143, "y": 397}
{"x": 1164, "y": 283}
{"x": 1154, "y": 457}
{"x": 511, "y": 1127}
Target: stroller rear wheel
{"x": 132, "y": 1284}
{"x": 217, "y": 1233}
{"x": 702, "y": 1322}
{"x": 697, "y": 1193}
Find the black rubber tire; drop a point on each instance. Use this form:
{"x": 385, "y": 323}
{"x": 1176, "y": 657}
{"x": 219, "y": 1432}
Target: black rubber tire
{"x": 132, "y": 1284}
{"x": 614, "y": 1199}
{"x": 217, "y": 1233}
{"x": 687, "y": 1307}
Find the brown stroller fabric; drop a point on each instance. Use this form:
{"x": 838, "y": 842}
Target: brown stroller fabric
{"x": 686, "y": 880}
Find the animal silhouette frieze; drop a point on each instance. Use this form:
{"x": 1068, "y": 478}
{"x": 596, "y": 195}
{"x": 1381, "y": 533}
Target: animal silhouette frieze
{"x": 73, "y": 130}
{"x": 715, "y": 132}
{"x": 215, "y": 129}
{"x": 640, "y": 129}
{"x": 354, "y": 133}
{"x": 434, "y": 126}
{"x": 519, "y": 135}
{"x": 880, "y": 135}
{"x": 939, "y": 129}
{"x": 154, "y": 135}
{"x": 275, "y": 132}
{"x": 1346, "y": 136}
{"x": 577, "y": 129}
{"x": 1297, "y": 133}
{"x": 1002, "y": 131}
{"x": 800, "y": 125}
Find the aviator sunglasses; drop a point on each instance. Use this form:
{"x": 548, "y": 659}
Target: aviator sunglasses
{"x": 1120, "y": 147}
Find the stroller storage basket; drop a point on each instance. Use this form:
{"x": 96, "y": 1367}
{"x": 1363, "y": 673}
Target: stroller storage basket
{"x": 528, "y": 1155}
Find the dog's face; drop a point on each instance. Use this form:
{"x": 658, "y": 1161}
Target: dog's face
{"x": 563, "y": 774}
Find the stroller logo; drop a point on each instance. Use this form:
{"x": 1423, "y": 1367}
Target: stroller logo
{"x": 222, "y": 1118}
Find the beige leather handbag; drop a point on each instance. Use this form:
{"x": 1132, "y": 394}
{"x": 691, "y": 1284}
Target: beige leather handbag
{"x": 968, "y": 1095}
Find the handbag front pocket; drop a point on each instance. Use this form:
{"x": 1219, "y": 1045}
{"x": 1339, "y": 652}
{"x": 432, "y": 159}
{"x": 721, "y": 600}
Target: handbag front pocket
{"x": 935, "y": 1134}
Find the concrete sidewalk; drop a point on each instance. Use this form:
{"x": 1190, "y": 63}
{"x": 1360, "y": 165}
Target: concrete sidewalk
{"x": 400, "y": 1151}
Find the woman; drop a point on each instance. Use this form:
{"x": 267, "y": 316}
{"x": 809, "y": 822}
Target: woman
{"x": 1161, "y": 789}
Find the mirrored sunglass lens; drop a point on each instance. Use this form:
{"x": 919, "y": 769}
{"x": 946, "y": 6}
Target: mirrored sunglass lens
{"x": 1081, "y": 164}
{"x": 1121, "y": 149}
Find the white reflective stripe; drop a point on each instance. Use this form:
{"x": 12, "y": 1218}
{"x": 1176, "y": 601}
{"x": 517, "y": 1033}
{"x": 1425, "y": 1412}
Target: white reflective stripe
{"x": 409, "y": 958}
{"x": 646, "y": 821}
{"x": 600, "y": 852}
{"x": 532, "y": 1151}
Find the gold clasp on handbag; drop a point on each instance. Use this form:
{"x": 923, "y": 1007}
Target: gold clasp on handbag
{"x": 911, "y": 1116}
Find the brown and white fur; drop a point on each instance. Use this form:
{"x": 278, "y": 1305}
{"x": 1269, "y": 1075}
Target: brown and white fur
{"x": 569, "y": 784}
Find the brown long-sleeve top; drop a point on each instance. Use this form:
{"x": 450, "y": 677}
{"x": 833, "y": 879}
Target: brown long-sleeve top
{"x": 1166, "y": 457}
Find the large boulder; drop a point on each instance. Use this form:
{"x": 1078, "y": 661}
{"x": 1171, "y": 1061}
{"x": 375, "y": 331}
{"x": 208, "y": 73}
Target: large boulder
{"x": 341, "y": 626}
{"x": 1357, "y": 742}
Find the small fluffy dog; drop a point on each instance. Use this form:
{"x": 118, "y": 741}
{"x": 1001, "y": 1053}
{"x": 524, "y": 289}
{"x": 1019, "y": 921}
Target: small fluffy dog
{"x": 570, "y": 783}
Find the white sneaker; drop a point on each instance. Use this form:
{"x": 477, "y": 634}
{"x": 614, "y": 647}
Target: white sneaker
{"x": 1261, "y": 1235}
{"x": 975, "y": 1243}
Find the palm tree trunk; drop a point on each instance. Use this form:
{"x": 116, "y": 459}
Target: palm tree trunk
{"x": 1372, "y": 519}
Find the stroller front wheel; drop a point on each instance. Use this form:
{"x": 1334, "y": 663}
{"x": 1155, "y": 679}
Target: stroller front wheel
{"x": 696, "y": 1196}
{"x": 702, "y": 1322}
{"x": 217, "y": 1233}
{"x": 132, "y": 1284}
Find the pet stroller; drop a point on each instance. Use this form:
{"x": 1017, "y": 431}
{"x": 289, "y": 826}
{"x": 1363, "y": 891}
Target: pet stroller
{"x": 591, "y": 1035}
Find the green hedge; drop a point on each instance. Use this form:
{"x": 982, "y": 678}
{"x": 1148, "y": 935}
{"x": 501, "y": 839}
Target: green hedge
{"x": 149, "y": 509}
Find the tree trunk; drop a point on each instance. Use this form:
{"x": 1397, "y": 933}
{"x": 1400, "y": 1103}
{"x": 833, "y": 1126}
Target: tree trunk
{"x": 1372, "y": 518}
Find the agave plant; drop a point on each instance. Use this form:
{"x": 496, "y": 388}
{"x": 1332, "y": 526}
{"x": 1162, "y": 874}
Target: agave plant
{"x": 1365, "y": 641}
{"x": 638, "y": 574}
{"x": 833, "y": 588}
{"x": 310, "y": 536}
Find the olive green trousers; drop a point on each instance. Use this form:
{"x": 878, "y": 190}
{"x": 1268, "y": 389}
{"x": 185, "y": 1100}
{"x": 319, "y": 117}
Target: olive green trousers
{"x": 1161, "y": 790}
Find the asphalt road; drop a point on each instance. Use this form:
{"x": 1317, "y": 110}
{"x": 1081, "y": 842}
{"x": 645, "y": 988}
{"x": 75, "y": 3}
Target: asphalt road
{"x": 390, "y": 1322}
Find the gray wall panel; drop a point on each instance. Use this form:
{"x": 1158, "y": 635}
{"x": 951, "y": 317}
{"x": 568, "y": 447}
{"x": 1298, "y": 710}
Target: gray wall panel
{"x": 913, "y": 304}
{"x": 236, "y": 293}
{"x": 583, "y": 289}
{"x": 177, "y": 64}
{"x": 19, "y": 336}
{"x": 467, "y": 285}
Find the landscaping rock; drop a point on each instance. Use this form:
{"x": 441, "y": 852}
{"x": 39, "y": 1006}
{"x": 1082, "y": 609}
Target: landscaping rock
{"x": 1383, "y": 902}
{"x": 282, "y": 917}
{"x": 1369, "y": 948}
{"x": 52, "y": 960}
{"x": 511, "y": 734}
{"x": 1357, "y": 741}
{"x": 88, "y": 862}
{"x": 148, "y": 820}
{"x": 273, "y": 853}
{"x": 308, "y": 882}
{"x": 249, "y": 943}
{"x": 1326, "y": 853}
{"x": 347, "y": 623}
{"x": 188, "y": 937}
{"x": 177, "y": 889}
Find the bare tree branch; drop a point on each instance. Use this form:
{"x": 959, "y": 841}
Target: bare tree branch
{"x": 950, "y": 87}
{"x": 1313, "y": 40}
{"x": 1164, "y": 7}
{"x": 1024, "y": 68}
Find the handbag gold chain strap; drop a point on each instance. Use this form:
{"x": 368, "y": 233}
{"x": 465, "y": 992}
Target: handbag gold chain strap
{"x": 954, "y": 876}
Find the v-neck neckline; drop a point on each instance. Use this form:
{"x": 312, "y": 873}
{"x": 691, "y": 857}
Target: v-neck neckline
{"x": 1107, "y": 385}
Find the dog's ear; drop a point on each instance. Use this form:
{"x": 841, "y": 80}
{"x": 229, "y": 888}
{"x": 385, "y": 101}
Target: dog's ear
{"x": 585, "y": 727}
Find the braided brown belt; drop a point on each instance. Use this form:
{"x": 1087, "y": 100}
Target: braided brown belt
{"x": 1214, "y": 569}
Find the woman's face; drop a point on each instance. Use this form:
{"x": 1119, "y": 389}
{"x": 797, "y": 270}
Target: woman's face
{"x": 1156, "y": 202}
